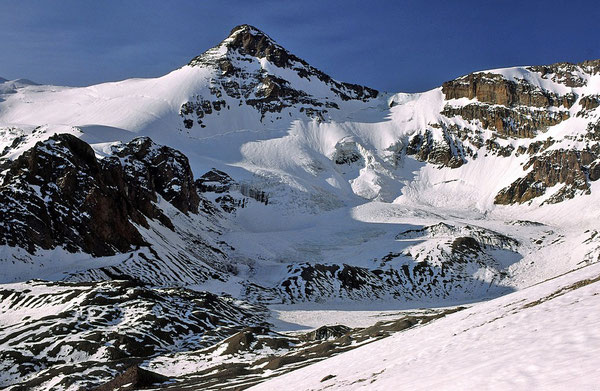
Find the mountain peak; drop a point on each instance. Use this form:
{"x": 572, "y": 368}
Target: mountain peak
{"x": 248, "y": 40}
{"x": 246, "y": 29}
{"x": 242, "y": 74}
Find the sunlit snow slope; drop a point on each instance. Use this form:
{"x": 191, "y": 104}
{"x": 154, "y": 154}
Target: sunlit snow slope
{"x": 544, "y": 337}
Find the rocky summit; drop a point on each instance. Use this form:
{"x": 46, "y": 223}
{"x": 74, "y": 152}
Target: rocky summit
{"x": 245, "y": 81}
{"x": 248, "y": 215}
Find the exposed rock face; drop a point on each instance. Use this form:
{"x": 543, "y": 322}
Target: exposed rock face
{"x": 569, "y": 167}
{"x": 484, "y": 237}
{"x": 594, "y": 171}
{"x": 593, "y": 131}
{"x": 215, "y": 181}
{"x": 513, "y": 109}
{"x": 164, "y": 170}
{"x": 200, "y": 107}
{"x": 346, "y": 152}
{"x": 446, "y": 152}
{"x": 494, "y": 147}
{"x": 567, "y": 73}
{"x": 253, "y": 42}
{"x": 255, "y": 86}
{"x": 326, "y": 332}
{"x": 59, "y": 194}
{"x": 250, "y": 41}
{"x": 520, "y": 122}
{"x": 588, "y": 102}
{"x": 221, "y": 184}
{"x": 495, "y": 89}
{"x": 133, "y": 378}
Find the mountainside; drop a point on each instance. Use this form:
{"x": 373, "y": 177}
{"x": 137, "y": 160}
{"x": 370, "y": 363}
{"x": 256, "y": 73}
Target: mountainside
{"x": 493, "y": 345}
{"x": 253, "y": 176}
{"x": 60, "y": 335}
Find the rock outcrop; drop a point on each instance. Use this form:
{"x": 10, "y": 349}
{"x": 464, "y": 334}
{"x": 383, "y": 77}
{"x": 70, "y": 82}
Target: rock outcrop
{"x": 518, "y": 122}
{"x": 513, "y": 109}
{"x": 518, "y": 105}
{"x": 495, "y": 89}
{"x": 59, "y": 194}
{"x": 571, "y": 75}
{"x": 159, "y": 170}
{"x": 134, "y": 378}
{"x": 215, "y": 181}
{"x": 574, "y": 169}
{"x": 446, "y": 151}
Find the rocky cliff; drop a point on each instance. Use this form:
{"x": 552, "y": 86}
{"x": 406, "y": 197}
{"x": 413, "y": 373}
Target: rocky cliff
{"x": 59, "y": 194}
{"x": 508, "y": 113}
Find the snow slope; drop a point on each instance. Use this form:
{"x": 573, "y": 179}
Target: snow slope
{"x": 543, "y": 337}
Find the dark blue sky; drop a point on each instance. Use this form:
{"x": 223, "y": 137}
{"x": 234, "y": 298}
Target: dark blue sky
{"x": 389, "y": 45}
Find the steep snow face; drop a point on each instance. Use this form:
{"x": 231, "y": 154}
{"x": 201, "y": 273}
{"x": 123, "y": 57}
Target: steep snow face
{"x": 544, "y": 337}
{"x": 133, "y": 104}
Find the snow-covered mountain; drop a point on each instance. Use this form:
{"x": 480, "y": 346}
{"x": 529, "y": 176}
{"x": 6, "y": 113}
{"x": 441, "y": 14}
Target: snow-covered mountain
{"x": 251, "y": 174}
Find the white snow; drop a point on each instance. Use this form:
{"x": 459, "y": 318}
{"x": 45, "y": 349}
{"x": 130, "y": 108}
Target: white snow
{"x": 512, "y": 342}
